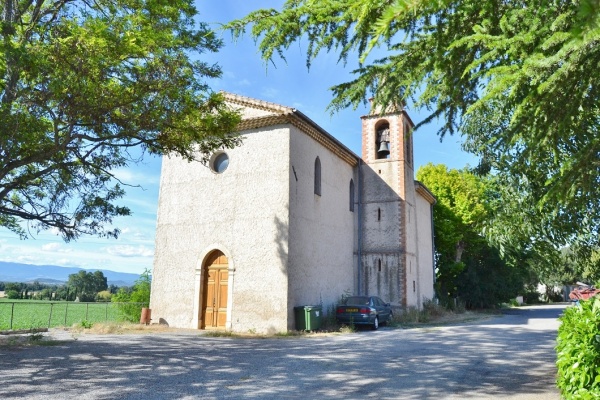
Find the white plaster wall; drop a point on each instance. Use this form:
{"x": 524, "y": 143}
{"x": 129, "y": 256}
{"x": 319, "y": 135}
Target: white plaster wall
{"x": 412, "y": 265}
{"x": 425, "y": 249}
{"x": 242, "y": 212}
{"x": 322, "y": 228}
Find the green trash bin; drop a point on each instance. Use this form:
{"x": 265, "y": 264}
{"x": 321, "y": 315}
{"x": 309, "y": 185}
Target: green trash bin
{"x": 308, "y": 318}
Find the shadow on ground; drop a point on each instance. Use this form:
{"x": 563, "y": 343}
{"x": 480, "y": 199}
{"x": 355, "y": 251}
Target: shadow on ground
{"x": 499, "y": 358}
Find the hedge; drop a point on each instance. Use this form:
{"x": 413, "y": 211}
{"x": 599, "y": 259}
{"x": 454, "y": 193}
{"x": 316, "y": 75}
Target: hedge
{"x": 578, "y": 351}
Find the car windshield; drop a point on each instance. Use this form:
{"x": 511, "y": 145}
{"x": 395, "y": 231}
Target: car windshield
{"x": 358, "y": 300}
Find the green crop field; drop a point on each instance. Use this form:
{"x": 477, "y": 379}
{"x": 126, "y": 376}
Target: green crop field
{"x": 27, "y": 314}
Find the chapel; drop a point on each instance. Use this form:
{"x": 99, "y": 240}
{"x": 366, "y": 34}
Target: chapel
{"x": 291, "y": 217}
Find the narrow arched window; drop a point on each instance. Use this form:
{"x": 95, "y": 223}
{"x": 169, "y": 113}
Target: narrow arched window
{"x": 317, "y": 176}
{"x": 351, "y": 195}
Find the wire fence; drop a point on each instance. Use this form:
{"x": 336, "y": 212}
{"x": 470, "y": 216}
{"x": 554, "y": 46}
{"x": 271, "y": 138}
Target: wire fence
{"x": 16, "y": 315}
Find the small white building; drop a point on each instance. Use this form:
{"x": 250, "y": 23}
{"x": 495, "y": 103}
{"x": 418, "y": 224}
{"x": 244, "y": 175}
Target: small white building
{"x": 291, "y": 217}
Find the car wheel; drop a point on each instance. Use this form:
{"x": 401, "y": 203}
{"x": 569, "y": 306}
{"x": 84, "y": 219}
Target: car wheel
{"x": 376, "y": 323}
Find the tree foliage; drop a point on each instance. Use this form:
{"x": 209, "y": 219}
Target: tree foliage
{"x": 81, "y": 84}
{"x": 468, "y": 265}
{"x": 558, "y": 246}
{"x": 517, "y": 77}
{"x": 86, "y": 285}
{"x": 458, "y": 217}
{"x": 132, "y": 300}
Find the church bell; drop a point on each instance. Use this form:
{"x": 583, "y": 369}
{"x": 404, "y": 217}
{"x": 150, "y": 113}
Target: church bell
{"x": 384, "y": 149}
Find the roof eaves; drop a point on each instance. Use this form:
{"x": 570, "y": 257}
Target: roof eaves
{"x": 425, "y": 192}
{"x": 282, "y": 115}
{"x": 255, "y": 103}
{"x": 328, "y": 136}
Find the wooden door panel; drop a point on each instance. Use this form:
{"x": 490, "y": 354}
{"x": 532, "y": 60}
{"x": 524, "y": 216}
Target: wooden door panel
{"x": 221, "y": 298}
{"x": 214, "y": 302}
{"x": 209, "y": 299}
{"x": 222, "y": 295}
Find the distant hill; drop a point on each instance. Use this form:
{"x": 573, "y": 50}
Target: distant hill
{"x": 52, "y": 274}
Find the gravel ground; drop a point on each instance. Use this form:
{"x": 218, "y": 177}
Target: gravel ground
{"x": 507, "y": 357}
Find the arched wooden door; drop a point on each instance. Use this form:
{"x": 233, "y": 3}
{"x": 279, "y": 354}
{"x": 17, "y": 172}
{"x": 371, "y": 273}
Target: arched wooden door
{"x": 214, "y": 291}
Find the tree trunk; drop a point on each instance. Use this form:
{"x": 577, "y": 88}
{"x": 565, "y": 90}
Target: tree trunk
{"x": 460, "y": 248}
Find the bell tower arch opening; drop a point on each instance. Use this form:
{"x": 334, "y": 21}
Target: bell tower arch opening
{"x": 382, "y": 140}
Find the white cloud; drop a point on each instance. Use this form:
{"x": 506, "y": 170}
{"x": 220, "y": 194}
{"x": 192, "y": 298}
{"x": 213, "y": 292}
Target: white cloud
{"x": 56, "y": 247}
{"x": 130, "y": 251}
{"x": 65, "y": 262}
{"x": 26, "y": 259}
{"x": 51, "y": 247}
{"x": 141, "y": 236}
{"x": 244, "y": 82}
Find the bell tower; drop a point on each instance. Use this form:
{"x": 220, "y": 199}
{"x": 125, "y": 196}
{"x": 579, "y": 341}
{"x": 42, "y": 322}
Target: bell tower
{"x": 387, "y": 250}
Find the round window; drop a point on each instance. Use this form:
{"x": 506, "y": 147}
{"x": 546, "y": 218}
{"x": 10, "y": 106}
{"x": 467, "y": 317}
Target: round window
{"x": 220, "y": 162}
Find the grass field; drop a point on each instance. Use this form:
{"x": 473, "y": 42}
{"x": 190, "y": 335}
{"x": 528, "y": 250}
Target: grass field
{"x": 27, "y": 314}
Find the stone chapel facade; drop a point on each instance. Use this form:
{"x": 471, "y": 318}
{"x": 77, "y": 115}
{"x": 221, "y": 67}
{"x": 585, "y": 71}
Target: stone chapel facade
{"x": 291, "y": 217}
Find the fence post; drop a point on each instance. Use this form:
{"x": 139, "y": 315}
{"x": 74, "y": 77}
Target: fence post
{"x": 50, "y": 317}
{"x": 12, "y": 312}
{"x": 87, "y": 307}
{"x": 106, "y": 313}
{"x": 66, "y": 309}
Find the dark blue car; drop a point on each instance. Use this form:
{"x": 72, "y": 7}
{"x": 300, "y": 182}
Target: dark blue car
{"x": 364, "y": 310}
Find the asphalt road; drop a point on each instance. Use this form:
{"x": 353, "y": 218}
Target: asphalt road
{"x": 506, "y": 357}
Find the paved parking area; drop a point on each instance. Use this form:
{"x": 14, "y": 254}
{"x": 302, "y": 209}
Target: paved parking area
{"x": 508, "y": 357}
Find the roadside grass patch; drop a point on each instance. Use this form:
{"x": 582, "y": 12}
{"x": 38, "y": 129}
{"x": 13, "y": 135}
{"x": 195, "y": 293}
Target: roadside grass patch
{"x": 433, "y": 314}
{"x": 116, "y": 327}
{"x": 220, "y": 333}
{"x": 290, "y": 334}
{"x": 27, "y": 339}
{"x": 345, "y": 329}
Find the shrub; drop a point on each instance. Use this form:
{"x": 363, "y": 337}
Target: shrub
{"x": 328, "y": 320}
{"x": 103, "y": 296}
{"x": 132, "y": 301}
{"x": 578, "y": 351}
{"x": 412, "y": 315}
{"x": 129, "y": 311}
{"x": 434, "y": 309}
{"x": 86, "y": 324}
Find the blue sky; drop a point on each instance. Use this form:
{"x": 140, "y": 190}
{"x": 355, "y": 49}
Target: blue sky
{"x": 289, "y": 84}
